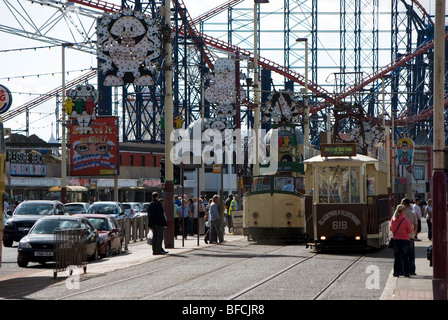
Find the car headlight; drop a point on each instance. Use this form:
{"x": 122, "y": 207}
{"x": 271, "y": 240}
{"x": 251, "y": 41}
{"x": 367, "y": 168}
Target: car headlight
{"x": 24, "y": 244}
{"x": 8, "y": 223}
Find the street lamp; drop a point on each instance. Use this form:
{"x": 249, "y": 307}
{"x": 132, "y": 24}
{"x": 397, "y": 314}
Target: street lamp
{"x": 257, "y": 94}
{"x": 307, "y": 111}
{"x": 63, "y": 142}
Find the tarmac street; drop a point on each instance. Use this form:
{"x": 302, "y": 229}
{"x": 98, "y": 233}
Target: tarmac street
{"x": 235, "y": 270}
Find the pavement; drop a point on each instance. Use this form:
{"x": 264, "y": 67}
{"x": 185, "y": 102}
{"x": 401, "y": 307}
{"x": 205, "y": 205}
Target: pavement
{"x": 418, "y": 287}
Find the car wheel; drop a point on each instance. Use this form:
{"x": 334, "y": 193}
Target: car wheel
{"x": 120, "y": 248}
{"x": 7, "y": 243}
{"x": 22, "y": 263}
{"x": 94, "y": 257}
{"x": 108, "y": 251}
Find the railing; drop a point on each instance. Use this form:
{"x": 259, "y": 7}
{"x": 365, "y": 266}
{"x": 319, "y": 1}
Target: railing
{"x": 134, "y": 229}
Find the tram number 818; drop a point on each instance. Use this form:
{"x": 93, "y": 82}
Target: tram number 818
{"x": 339, "y": 225}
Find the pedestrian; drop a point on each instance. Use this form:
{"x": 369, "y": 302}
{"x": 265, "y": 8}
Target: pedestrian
{"x": 227, "y": 212}
{"x": 176, "y": 220}
{"x": 214, "y": 217}
{"x": 184, "y": 219}
{"x": 233, "y": 207}
{"x": 190, "y": 206}
{"x": 418, "y": 211}
{"x": 401, "y": 228}
{"x": 413, "y": 219}
{"x": 157, "y": 223}
{"x": 428, "y": 211}
{"x": 195, "y": 215}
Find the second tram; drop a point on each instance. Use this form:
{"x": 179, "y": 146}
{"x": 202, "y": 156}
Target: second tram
{"x": 274, "y": 210}
{"x": 347, "y": 204}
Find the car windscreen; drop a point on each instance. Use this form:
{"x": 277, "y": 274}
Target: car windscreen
{"x": 103, "y": 208}
{"x": 75, "y": 208}
{"x": 99, "y": 224}
{"x": 48, "y": 226}
{"x": 34, "y": 209}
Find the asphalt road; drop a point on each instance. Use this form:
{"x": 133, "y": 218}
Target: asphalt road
{"x": 237, "y": 270}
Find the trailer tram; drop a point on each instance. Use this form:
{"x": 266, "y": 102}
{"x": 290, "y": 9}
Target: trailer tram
{"x": 347, "y": 205}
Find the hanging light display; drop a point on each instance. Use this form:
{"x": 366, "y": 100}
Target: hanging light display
{"x": 129, "y": 48}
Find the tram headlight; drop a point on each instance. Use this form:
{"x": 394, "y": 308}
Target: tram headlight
{"x": 288, "y": 215}
{"x": 255, "y": 215}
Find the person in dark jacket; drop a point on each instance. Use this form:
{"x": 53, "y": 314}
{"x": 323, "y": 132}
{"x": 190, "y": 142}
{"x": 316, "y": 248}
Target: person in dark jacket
{"x": 157, "y": 222}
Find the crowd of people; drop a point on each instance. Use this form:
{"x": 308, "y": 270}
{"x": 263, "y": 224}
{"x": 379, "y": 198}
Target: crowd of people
{"x": 186, "y": 217}
{"x": 406, "y": 226}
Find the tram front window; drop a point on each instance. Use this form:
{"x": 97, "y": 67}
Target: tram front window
{"x": 338, "y": 184}
{"x": 284, "y": 184}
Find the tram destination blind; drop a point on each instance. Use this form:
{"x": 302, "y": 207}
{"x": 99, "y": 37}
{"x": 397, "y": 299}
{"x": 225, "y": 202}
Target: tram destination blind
{"x": 338, "y": 150}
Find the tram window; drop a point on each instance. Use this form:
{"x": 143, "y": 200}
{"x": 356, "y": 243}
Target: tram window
{"x": 338, "y": 184}
{"x": 355, "y": 191}
{"x": 260, "y": 184}
{"x": 371, "y": 185}
{"x": 284, "y": 184}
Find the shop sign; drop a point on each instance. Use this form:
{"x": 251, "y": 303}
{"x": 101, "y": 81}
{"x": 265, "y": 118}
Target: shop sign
{"x": 95, "y": 153}
{"x": 26, "y": 164}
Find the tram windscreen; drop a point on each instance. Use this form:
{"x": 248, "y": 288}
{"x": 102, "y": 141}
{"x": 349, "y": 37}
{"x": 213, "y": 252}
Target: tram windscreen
{"x": 338, "y": 184}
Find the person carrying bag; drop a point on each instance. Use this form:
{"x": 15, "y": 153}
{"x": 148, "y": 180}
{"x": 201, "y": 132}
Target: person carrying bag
{"x": 401, "y": 227}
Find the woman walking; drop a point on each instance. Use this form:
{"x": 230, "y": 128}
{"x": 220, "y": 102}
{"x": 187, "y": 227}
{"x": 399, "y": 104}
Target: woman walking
{"x": 401, "y": 228}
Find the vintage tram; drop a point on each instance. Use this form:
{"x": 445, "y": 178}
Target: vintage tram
{"x": 274, "y": 209}
{"x": 347, "y": 205}
{"x": 274, "y": 204}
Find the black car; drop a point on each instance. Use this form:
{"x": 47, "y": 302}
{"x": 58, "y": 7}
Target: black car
{"x": 38, "y": 244}
{"x": 25, "y": 216}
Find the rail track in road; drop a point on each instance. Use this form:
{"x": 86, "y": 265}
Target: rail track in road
{"x": 236, "y": 270}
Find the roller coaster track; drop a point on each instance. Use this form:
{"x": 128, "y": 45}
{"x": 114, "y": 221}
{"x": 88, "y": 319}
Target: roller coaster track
{"x": 268, "y": 64}
{"x": 47, "y": 96}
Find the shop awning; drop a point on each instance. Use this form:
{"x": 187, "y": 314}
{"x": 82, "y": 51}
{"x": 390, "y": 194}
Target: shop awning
{"x": 69, "y": 188}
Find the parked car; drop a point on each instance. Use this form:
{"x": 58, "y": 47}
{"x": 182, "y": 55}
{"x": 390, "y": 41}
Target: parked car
{"x": 108, "y": 207}
{"x": 110, "y": 238}
{"x": 131, "y": 208}
{"x": 25, "y": 216}
{"x": 77, "y": 207}
{"x": 38, "y": 245}
{"x": 143, "y": 210}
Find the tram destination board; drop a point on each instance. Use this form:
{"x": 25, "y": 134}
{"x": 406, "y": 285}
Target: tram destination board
{"x": 338, "y": 150}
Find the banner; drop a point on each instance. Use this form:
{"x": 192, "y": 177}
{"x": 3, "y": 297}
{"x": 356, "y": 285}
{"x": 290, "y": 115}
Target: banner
{"x": 94, "y": 153}
{"x": 405, "y": 151}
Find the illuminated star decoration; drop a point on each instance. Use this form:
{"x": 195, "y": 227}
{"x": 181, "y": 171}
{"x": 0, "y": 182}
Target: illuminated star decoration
{"x": 281, "y": 107}
{"x": 129, "y": 48}
{"x": 222, "y": 94}
{"x": 81, "y": 104}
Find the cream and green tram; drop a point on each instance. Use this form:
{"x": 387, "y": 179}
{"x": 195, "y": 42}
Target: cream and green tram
{"x": 274, "y": 209}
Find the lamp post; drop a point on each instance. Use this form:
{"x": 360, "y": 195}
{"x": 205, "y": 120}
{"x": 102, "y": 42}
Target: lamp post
{"x": 307, "y": 111}
{"x": 257, "y": 92}
{"x": 169, "y": 174}
{"x": 440, "y": 265}
{"x": 63, "y": 142}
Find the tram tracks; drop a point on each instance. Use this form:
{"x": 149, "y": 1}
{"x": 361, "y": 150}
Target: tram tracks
{"x": 236, "y": 260}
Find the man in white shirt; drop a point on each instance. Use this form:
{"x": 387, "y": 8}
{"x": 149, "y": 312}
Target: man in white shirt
{"x": 418, "y": 212}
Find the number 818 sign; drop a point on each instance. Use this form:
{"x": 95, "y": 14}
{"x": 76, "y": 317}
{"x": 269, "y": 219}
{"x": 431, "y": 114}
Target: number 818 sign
{"x": 5, "y": 99}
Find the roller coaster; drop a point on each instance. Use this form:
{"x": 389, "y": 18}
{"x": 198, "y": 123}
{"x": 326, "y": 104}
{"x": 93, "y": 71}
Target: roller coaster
{"x": 371, "y": 59}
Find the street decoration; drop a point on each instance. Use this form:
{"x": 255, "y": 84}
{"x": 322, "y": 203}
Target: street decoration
{"x": 405, "y": 151}
{"x": 129, "y": 47}
{"x": 95, "y": 153}
{"x": 281, "y": 107}
{"x": 5, "y": 99}
{"x": 222, "y": 94}
{"x": 81, "y": 105}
